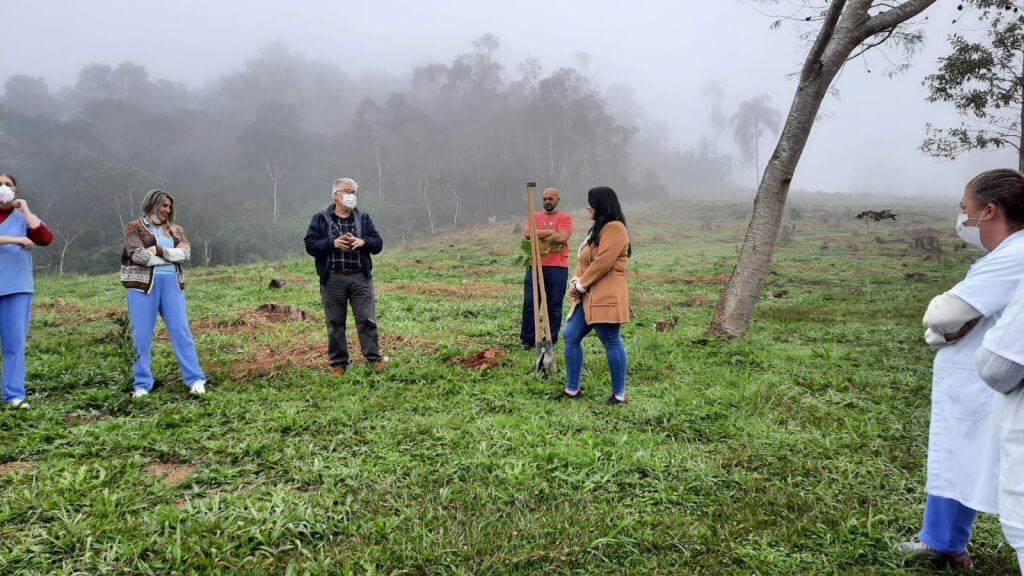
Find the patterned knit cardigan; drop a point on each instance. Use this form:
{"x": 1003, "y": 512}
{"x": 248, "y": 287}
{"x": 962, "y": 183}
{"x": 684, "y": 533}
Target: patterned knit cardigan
{"x": 135, "y": 271}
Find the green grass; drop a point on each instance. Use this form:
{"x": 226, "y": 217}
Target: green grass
{"x": 796, "y": 450}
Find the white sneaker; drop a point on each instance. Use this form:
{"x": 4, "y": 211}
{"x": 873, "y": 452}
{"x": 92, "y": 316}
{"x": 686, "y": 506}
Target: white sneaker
{"x": 199, "y": 388}
{"x": 139, "y": 393}
{"x": 20, "y": 403}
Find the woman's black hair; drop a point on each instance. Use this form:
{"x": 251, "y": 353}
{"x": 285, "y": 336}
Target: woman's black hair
{"x": 606, "y": 209}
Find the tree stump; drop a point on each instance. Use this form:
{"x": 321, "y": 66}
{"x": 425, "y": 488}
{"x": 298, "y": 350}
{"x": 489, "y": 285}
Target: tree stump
{"x": 925, "y": 243}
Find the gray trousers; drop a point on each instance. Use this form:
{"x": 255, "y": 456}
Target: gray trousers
{"x": 336, "y": 293}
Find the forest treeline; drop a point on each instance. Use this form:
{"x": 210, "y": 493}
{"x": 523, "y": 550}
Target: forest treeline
{"x": 249, "y": 155}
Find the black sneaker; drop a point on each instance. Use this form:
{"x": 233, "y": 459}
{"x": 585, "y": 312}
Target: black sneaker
{"x": 527, "y": 346}
{"x": 612, "y": 400}
{"x": 563, "y": 394}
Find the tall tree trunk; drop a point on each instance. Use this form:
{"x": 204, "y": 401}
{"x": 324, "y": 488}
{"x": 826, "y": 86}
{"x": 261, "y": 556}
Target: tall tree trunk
{"x": 68, "y": 239}
{"x": 551, "y": 154}
{"x": 206, "y": 252}
{"x": 63, "y": 252}
{"x": 423, "y": 185}
{"x": 455, "y": 218}
{"x": 275, "y": 172}
{"x": 736, "y": 304}
{"x": 757, "y": 151}
{"x": 380, "y": 176}
{"x": 845, "y": 26}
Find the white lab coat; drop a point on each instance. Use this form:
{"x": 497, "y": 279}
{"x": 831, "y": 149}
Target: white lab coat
{"x": 963, "y": 438}
{"x": 1006, "y": 339}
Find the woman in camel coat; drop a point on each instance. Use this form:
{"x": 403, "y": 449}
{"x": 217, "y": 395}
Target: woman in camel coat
{"x": 600, "y": 295}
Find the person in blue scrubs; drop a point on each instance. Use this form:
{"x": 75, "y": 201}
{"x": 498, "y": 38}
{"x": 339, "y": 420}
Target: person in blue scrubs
{"x": 20, "y": 232}
{"x": 154, "y": 248}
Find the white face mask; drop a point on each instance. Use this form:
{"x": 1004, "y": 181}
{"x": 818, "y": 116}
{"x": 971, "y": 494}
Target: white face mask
{"x": 348, "y": 201}
{"x": 6, "y": 194}
{"x": 970, "y": 234}
{"x": 156, "y": 220}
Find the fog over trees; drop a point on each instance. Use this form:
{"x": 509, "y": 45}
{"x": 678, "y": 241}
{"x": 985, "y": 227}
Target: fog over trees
{"x": 251, "y": 154}
{"x": 441, "y": 124}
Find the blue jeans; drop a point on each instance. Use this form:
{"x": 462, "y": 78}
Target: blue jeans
{"x": 14, "y": 315}
{"x": 556, "y": 280}
{"x": 947, "y": 524}
{"x": 167, "y": 300}
{"x": 576, "y": 328}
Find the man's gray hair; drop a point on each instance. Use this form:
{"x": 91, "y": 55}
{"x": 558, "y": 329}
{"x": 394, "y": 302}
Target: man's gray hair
{"x": 340, "y": 181}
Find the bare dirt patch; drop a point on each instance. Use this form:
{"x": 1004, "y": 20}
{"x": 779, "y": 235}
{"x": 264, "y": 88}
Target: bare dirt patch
{"x": 247, "y": 322}
{"x": 501, "y": 250}
{"x": 265, "y": 360}
{"x": 82, "y": 417}
{"x": 112, "y": 313}
{"x": 666, "y": 325}
{"x": 171, "y": 473}
{"x": 72, "y": 313}
{"x": 482, "y": 360}
{"x": 273, "y": 312}
{"x": 15, "y": 466}
{"x": 58, "y": 305}
{"x": 720, "y": 279}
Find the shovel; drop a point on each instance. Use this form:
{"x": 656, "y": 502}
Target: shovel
{"x": 545, "y": 348}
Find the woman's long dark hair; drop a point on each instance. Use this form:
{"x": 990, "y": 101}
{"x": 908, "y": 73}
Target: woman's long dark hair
{"x": 606, "y": 209}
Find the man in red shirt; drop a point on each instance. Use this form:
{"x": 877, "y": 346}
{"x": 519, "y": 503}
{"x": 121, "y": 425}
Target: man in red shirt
{"x": 553, "y": 230}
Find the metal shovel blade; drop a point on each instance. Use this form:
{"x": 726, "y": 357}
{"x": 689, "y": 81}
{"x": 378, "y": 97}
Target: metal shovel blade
{"x": 546, "y": 357}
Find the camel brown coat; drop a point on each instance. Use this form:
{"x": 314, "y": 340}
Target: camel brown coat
{"x": 601, "y": 271}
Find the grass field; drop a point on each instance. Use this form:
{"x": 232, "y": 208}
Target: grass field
{"x": 796, "y": 450}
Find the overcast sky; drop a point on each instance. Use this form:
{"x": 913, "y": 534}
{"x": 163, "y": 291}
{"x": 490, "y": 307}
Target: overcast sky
{"x": 666, "y": 51}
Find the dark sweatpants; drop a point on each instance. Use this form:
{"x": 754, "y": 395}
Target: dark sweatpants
{"x": 556, "y": 280}
{"x": 336, "y": 293}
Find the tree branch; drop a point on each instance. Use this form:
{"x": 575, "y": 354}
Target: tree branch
{"x": 835, "y": 12}
{"x": 893, "y": 17}
{"x": 871, "y": 45}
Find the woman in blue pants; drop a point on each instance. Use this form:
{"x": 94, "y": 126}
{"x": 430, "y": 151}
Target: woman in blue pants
{"x": 154, "y": 248}
{"x": 600, "y": 295}
{"x": 20, "y": 231}
{"x": 964, "y": 449}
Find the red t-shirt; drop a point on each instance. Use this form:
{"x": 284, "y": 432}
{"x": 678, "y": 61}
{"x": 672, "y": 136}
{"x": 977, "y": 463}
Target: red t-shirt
{"x": 559, "y": 222}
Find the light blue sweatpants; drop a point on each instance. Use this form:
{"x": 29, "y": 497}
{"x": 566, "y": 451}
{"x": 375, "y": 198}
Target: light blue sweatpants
{"x": 14, "y": 316}
{"x": 167, "y": 300}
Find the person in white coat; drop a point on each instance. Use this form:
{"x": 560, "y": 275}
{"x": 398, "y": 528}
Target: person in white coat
{"x": 1000, "y": 361}
{"x": 963, "y": 439}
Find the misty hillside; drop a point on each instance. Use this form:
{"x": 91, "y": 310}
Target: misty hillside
{"x": 250, "y": 155}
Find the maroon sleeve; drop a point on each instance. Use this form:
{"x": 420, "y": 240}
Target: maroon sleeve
{"x": 41, "y": 235}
